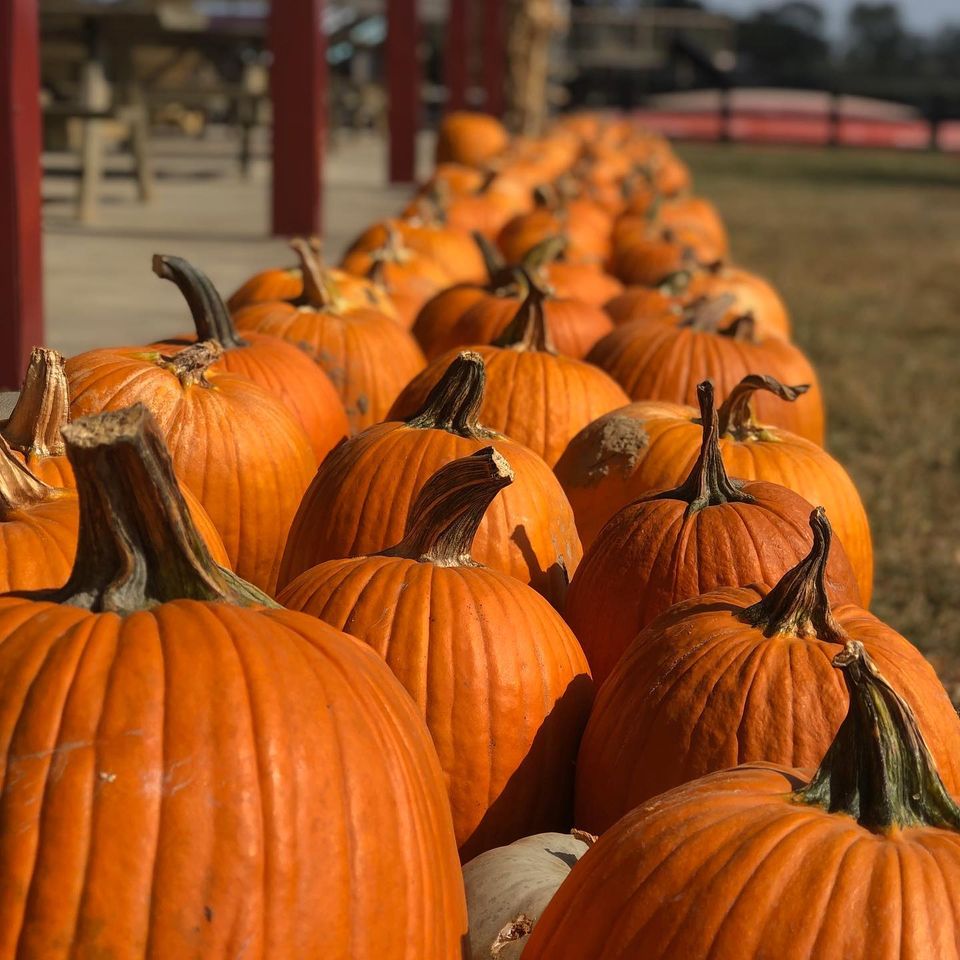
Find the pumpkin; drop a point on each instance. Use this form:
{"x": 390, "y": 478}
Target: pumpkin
{"x": 359, "y": 500}
{"x": 650, "y": 446}
{"x": 509, "y": 887}
{"x": 496, "y": 673}
{"x": 648, "y": 253}
{"x": 470, "y": 138}
{"x": 586, "y": 282}
{"x": 652, "y": 360}
{"x": 647, "y": 303}
{"x": 694, "y": 214}
{"x": 33, "y": 430}
{"x": 728, "y": 678}
{"x": 534, "y": 395}
{"x": 283, "y": 370}
{"x": 177, "y": 754}
{"x": 709, "y": 532}
{"x": 771, "y": 861}
{"x": 366, "y": 355}
{"x": 237, "y": 448}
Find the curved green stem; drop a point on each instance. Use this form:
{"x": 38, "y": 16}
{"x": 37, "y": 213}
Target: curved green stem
{"x": 528, "y": 330}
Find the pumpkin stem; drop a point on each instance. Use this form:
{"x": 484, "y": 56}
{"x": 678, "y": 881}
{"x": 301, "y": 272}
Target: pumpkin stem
{"x": 493, "y": 261}
{"x": 528, "y": 330}
{"x": 454, "y": 402}
{"x": 191, "y": 364}
{"x": 137, "y": 545}
{"x": 211, "y": 318}
{"x": 445, "y": 516}
{"x": 878, "y": 769}
{"x": 706, "y": 313}
{"x": 319, "y": 291}
{"x": 42, "y": 409}
{"x": 735, "y": 415}
{"x": 18, "y": 486}
{"x": 545, "y": 253}
{"x": 799, "y": 604}
{"x": 707, "y": 484}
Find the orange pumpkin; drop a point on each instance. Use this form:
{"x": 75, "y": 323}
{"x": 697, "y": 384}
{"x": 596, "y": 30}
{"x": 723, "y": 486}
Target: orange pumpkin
{"x": 499, "y": 677}
{"x": 470, "y": 138}
{"x": 647, "y": 253}
{"x": 677, "y": 706}
{"x": 694, "y": 215}
{"x": 177, "y": 753}
{"x": 653, "y": 360}
{"x": 366, "y": 355}
{"x": 361, "y": 496}
{"x": 646, "y": 303}
{"x": 769, "y": 861}
{"x": 534, "y": 395}
{"x": 709, "y": 532}
{"x": 650, "y": 445}
{"x": 237, "y": 448}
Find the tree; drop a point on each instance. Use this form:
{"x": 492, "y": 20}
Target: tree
{"x": 784, "y": 44}
{"x": 878, "y": 43}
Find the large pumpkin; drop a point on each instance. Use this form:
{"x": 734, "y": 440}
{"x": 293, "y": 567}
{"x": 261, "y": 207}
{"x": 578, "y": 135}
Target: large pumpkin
{"x": 367, "y": 356}
{"x": 709, "y": 532}
{"x": 651, "y": 445}
{"x": 534, "y": 395}
{"x": 192, "y": 774}
{"x": 653, "y": 360}
{"x": 360, "y": 498}
{"x": 861, "y": 860}
{"x": 283, "y": 370}
{"x": 497, "y": 674}
{"x": 728, "y": 678}
{"x": 237, "y": 448}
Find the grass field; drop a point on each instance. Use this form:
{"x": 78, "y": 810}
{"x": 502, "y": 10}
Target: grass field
{"x": 865, "y": 247}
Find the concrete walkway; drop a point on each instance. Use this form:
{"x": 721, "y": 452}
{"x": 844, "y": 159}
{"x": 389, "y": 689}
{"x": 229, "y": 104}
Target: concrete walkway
{"x": 99, "y": 287}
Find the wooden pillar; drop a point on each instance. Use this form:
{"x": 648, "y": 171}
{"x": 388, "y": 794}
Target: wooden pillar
{"x": 456, "y": 54}
{"x": 494, "y": 55}
{"x": 298, "y": 89}
{"x": 403, "y": 88}
{"x": 21, "y": 270}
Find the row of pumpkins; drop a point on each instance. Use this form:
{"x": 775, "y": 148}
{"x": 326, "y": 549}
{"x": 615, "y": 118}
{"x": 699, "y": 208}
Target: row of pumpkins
{"x": 554, "y": 460}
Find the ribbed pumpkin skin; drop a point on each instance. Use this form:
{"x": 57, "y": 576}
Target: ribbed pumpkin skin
{"x": 38, "y": 542}
{"x": 582, "y": 281}
{"x": 54, "y": 471}
{"x": 648, "y": 446}
{"x": 731, "y": 869}
{"x": 498, "y": 675}
{"x": 656, "y": 361}
{"x": 200, "y": 780}
{"x": 636, "y": 303}
{"x": 585, "y": 226}
{"x": 441, "y": 314}
{"x": 650, "y": 556}
{"x": 367, "y": 356}
{"x": 237, "y": 448}
{"x": 359, "y": 499}
{"x": 536, "y": 399}
{"x": 700, "y": 690}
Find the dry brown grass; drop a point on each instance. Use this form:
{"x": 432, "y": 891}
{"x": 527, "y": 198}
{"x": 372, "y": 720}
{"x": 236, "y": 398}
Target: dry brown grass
{"x": 865, "y": 247}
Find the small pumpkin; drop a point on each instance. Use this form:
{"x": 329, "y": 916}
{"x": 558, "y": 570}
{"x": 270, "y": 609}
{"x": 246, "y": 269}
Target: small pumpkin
{"x": 360, "y": 498}
{"x": 709, "y": 532}
{"x": 769, "y": 861}
{"x": 651, "y": 445}
{"x": 178, "y": 752}
{"x": 730, "y": 678}
{"x": 497, "y": 674}
{"x": 470, "y": 138}
{"x": 653, "y": 360}
{"x": 534, "y": 395}
{"x": 648, "y": 254}
{"x": 696, "y": 215}
{"x": 366, "y": 355}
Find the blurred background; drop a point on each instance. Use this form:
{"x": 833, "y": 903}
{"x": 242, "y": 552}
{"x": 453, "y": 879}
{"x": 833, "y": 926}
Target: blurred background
{"x": 828, "y": 133}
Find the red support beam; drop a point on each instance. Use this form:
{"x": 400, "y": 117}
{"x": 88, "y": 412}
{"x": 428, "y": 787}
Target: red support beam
{"x": 298, "y": 89}
{"x": 495, "y": 55}
{"x": 21, "y": 249}
{"x": 456, "y": 54}
{"x": 403, "y": 87}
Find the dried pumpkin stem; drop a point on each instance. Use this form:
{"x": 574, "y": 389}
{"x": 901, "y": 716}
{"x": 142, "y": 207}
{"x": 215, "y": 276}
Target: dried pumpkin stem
{"x": 707, "y": 484}
{"x": 735, "y": 415}
{"x": 18, "y": 486}
{"x": 191, "y": 365}
{"x": 706, "y": 313}
{"x": 528, "y": 330}
{"x": 499, "y": 275}
{"x": 454, "y": 402}
{"x": 799, "y": 603}
{"x": 447, "y": 513}
{"x": 319, "y": 291}
{"x": 42, "y": 409}
{"x": 211, "y": 318}
{"x": 137, "y": 545}
{"x": 878, "y": 769}
{"x": 545, "y": 253}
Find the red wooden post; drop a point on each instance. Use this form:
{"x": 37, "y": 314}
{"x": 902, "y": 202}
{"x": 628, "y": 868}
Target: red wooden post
{"x": 494, "y": 54}
{"x": 298, "y": 88}
{"x": 21, "y": 267}
{"x": 456, "y": 54}
{"x": 403, "y": 87}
